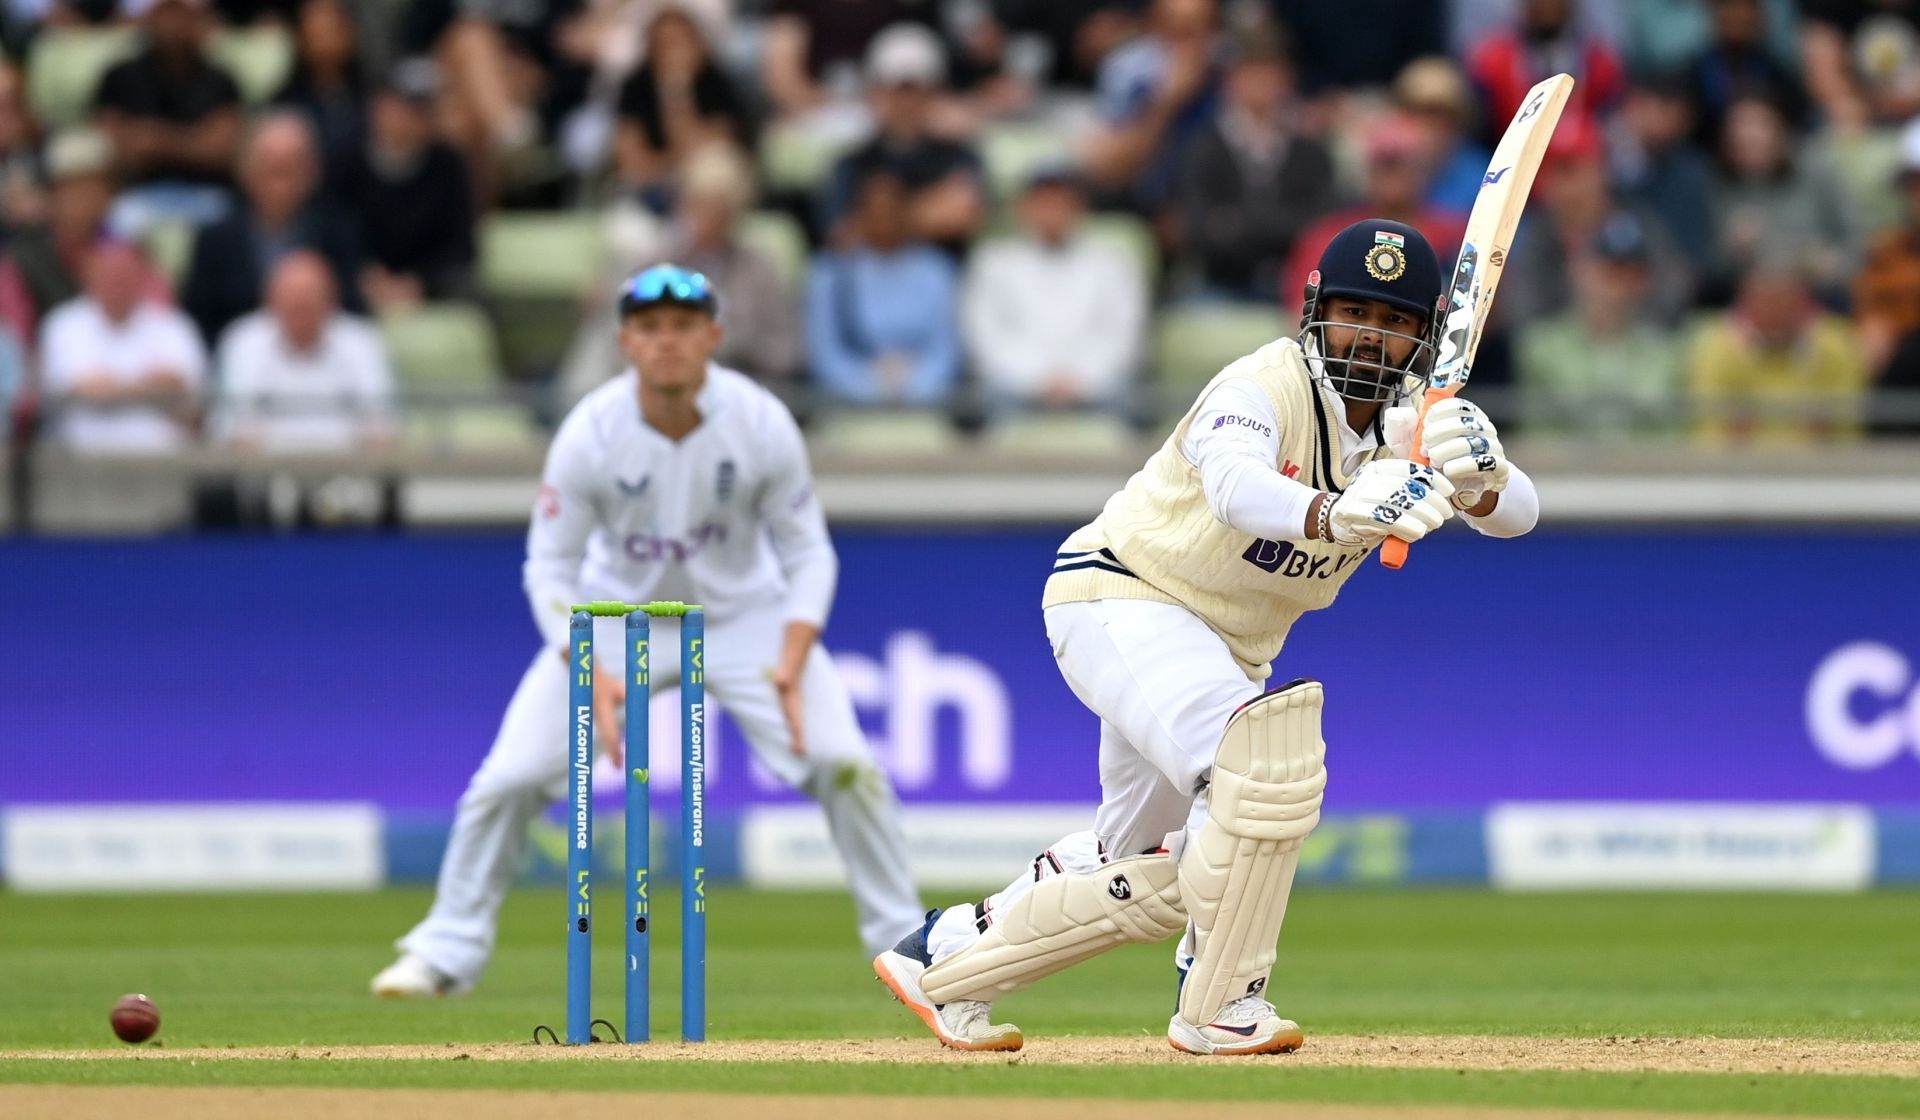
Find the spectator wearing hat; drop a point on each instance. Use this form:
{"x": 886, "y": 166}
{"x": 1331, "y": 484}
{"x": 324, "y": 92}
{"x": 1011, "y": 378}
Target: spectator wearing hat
{"x": 1771, "y": 200}
{"x": 120, "y": 373}
{"x": 814, "y": 48}
{"x": 1397, "y": 171}
{"x": 759, "y": 320}
{"x": 173, "y": 116}
{"x": 1055, "y": 319}
{"x": 677, "y": 101}
{"x": 327, "y": 85}
{"x": 1572, "y": 201}
{"x": 1862, "y": 60}
{"x": 881, "y": 307}
{"x": 298, "y": 376}
{"x": 1658, "y": 170}
{"x": 946, "y": 196}
{"x": 1604, "y": 367}
{"x": 1777, "y": 369}
{"x": 1156, "y": 94}
{"x": 1435, "y": 96}
{"x": 1886, "y": 293}
{"x": 1250, "y": 182}
{"x": 45, "y": 259}
{"x": 282, "y": 211}
{"x": 413, "y": 200}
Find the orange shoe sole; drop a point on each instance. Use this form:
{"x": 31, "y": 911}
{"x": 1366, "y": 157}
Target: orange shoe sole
{"x": 931, "y": 1018}
{"x": 1286, "y": 1042}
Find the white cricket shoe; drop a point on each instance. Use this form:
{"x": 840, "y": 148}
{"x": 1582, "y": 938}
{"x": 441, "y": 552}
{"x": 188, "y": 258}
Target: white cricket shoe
{"x": 1248, "y": 1025}
{"x": 412, "y": 978}
{"x": 964, "y": 1024}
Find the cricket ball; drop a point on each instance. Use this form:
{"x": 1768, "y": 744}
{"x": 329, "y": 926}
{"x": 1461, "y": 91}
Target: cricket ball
{"x": 135, "y": 1018}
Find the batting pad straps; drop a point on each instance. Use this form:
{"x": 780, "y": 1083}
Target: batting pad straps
{"x": 1237, "y": 869}
{"x": 1063, "y": 920}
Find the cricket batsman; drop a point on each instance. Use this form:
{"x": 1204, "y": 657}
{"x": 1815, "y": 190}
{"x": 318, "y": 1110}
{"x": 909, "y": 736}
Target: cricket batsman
{"x": 1164, "y": 615}
{"x": 684, "y": 480}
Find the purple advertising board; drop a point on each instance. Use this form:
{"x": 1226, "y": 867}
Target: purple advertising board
{"x": 1721, "y": 666}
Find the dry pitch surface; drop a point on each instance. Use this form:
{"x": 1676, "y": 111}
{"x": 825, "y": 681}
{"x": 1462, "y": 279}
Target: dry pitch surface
{"x": 47, "y": 1102}
{"x": 1473, "y": 1052}
{"x": 1612, "y": 1055}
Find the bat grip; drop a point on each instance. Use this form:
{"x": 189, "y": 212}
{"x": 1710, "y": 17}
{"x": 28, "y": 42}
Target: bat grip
{"x": 1393, "y": 553}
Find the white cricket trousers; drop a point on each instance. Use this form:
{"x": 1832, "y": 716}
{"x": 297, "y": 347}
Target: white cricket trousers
{"x": 526, "y": 771}
{"x": 1163, "y": 685}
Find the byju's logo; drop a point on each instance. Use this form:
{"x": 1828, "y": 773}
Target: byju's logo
{"x": 1863, "y": 706}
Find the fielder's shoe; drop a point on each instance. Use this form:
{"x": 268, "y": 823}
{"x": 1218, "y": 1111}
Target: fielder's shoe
{"x": 1248, "y": 1025}
{"x": 963, "y": 1024}
{"x": 412, "y": 978}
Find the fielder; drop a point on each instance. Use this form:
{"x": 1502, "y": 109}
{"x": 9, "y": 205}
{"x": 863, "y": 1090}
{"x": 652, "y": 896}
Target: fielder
{"x": 682, "y": 480}
{"x": 1164, "y": 614}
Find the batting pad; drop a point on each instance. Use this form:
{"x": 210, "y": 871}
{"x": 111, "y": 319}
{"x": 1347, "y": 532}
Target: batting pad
{"x": 1237, "y": 869}
{"x": 1062, "y": 921}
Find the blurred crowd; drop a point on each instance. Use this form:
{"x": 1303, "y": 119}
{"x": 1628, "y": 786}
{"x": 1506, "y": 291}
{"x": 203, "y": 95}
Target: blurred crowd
{"x": 328, "y": 225}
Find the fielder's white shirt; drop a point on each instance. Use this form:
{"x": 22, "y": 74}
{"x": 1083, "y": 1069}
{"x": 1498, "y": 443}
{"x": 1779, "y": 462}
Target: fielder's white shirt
{"x": 725, "y": 517}
{"x": 330, "y": 398}
{"x": 78, "y": 340}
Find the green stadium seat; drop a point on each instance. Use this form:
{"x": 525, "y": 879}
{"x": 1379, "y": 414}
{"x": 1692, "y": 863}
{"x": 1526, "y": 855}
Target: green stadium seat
{"x": 1012, "y": 151}
{"x": 444, "y": 349}
{"x": 1132, "y": 235}
{"x": 1067, "y": 434}
{"x": 797, "y": 158}
{"x": 258, "y": 58}
{"x": 65, "y": 66}
{"x": 775, "y": 233}
{"x": 1192, "y": 344}
{"x": 541, "y": 255}
{"x": 169, "y": 245}
{"x": 904, "y": 432}
{"x": 469, "y": 428}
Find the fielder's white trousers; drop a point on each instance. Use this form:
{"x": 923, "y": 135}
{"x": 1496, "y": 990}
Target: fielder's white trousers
{"x": 526, "y": 771}
{"x": 1163, "y": 685}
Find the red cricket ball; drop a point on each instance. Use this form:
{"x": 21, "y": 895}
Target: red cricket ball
{"x": 135, "y": 1018}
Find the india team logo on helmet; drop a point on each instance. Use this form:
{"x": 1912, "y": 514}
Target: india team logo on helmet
{"x": 1387, "y": 260}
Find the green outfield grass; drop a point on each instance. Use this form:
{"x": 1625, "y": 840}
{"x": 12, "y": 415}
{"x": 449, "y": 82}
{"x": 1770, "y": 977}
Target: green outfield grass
{"x": 251, "y": 970}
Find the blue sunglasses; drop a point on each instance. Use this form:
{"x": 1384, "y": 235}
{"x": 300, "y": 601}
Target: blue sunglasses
{"x": 668, "y": 284}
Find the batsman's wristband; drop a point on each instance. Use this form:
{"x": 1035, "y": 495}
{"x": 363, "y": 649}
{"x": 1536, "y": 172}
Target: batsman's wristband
{"x": 1323, "y": 522}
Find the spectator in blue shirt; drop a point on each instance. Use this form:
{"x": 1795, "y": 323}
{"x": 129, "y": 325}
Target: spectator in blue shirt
{"x": 1156, "y": 94}
{"x": 881, "y": 312}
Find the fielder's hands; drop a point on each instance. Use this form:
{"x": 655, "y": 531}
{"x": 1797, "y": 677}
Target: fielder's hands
{"x": 1391, "y": 497}
{"x": 787, "y": 676}
{"x": 1462, "y": 444}
{"x": 610, "y": 714}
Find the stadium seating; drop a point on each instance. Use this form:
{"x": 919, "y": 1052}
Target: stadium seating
{"x": 1191, "y": 344}
{"x": 885, "y": 432}
{"x": 779, "y": 236}
{"x": 65, "y": 67}
{"x": 1066, "y": 434}
{"x": 258, "y": 58}
{"x": 1130, "y": 234}
{"x": 535, "y": 267}
{"x": 449, "y": 372}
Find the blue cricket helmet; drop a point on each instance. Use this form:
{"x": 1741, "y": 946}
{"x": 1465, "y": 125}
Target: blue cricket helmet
{"x": 1388, "y": 261}
{"x": 1384, "y": 260}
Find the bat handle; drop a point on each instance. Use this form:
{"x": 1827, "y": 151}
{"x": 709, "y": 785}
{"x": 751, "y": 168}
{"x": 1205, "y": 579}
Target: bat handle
{"x": 1393, "y": 553}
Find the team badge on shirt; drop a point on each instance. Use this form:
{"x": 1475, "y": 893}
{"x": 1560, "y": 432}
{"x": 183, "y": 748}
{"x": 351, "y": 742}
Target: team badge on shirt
{"x": 1388, "y": 257}
{"x": 723, "y": 484}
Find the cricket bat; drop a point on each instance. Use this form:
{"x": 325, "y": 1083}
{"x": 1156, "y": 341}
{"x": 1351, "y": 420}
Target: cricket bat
{"x": 1483, "y": 253}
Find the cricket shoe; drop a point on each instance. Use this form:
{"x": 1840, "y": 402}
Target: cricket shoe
{"x": 963, "y": 1024}
{"x": 412, "y": 978}
{"x": 1248, "y": 1025}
